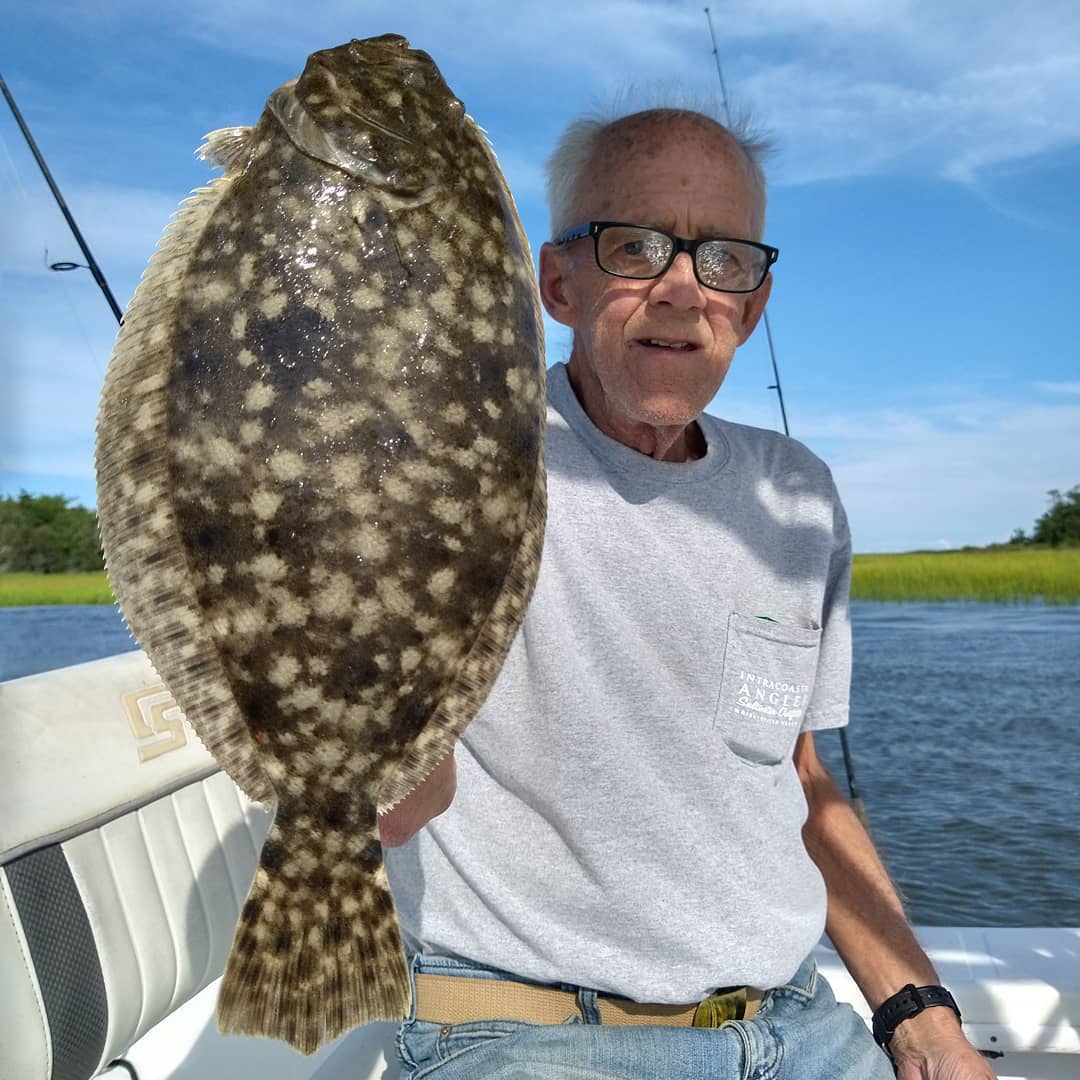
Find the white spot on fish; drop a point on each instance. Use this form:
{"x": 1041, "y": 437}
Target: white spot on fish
{"x": 481, "y": 296}
{"x": 440, "y": 583}
{"x": 447, "y": 510}
{"x": 346, "y": 471}
{"x": 286, "y": 466}
{"x": 317, "y": 388}
{"x": 246, "y": 269}
{"x": 251, "y": 432}
{"x": 482, "y": 330}
{"x": 289, "y": 609}
{"x": 444, "y": 302}
{"x": 273, "y": 305}
{"x": 219, "y": 454}
{"x": 214, "y": 291}
{"x": 283, "y": 671}
{"x": 265, "y": 503}
{"x": 258, "y": 397}
{"x": 268, "y": 566}
{"x": 336, "y": 596}
{"x": 371, "y": 544}
{"x": 367, "y": 298}
{"x": 323, "y": 277}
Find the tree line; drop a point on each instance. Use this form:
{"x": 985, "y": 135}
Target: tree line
{"x": 45, "y": 534}
{"x": 1059, "y": 526}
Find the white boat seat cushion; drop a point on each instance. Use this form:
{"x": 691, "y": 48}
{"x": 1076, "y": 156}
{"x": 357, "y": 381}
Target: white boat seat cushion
{"x": 125, "y": 855}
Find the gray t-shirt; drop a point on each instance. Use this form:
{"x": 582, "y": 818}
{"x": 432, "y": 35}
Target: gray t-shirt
{"x": 628, "y": 817}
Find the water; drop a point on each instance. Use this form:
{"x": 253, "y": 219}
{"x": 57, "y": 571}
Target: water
{"x": 965, "y": 719}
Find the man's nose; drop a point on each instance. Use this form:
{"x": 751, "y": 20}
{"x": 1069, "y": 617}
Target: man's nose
{"x": 678, "y": 285}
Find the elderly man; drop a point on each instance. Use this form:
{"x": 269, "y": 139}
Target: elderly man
{"x": 644, "y": 847}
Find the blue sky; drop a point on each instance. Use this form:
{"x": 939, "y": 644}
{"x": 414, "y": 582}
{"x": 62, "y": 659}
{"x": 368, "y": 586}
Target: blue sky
{"x": 925, "y": 197}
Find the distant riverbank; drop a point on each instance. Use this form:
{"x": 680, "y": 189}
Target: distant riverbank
{"x": 33, "y": 590}
{"x": 1001, "y": 575}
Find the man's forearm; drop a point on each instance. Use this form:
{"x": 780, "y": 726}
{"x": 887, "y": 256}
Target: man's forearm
{"x": 867, "y": 925}
{"x": 866, "y": 920}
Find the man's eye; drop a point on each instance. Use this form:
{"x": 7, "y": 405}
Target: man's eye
{"x": 718, "y": 260}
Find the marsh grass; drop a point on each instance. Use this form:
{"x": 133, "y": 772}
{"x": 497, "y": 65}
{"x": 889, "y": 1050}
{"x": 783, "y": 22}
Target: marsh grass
{"x": 26, "y": 590}
{"x": 1002, "y": 575}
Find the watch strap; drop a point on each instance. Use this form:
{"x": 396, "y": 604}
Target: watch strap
{"x": 906, "y": 1003}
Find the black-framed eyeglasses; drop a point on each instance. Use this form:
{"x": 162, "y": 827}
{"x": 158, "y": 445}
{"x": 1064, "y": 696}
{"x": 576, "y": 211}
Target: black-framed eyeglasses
{"x": 639, "y": 251}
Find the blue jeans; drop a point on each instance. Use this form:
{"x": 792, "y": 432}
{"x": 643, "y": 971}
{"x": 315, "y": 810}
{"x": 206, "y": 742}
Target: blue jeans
{"x": 799, "y": 1033}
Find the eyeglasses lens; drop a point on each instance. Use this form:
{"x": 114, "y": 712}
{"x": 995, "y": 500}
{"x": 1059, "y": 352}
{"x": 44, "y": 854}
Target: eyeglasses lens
{"x": 635, "y": 252}
{"x": 731, "y": 265}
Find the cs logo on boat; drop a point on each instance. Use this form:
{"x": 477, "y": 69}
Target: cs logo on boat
{"x": 156, "y": 721}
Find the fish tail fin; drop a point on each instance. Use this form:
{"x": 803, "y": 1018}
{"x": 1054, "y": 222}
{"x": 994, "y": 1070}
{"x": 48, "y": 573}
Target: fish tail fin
{"x": 317, "y": 950}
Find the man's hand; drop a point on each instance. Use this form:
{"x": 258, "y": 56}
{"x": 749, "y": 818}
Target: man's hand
{"x": 931, "y": 1046}
{"x": 424, "y": 802}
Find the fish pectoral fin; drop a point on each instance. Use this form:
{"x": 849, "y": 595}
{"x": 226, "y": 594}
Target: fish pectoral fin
{"x": 225, "y": 146}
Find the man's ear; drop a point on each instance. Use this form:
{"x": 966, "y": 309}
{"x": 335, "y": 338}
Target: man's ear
{"x": 556, "y": 290}
{"x": 754, "y": 308}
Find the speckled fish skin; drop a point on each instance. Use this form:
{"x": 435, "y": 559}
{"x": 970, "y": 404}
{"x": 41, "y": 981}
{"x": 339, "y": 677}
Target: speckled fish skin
{"x": 321, "y": 493}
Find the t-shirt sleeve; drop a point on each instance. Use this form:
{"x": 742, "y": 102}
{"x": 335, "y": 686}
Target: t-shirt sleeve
{"x": 828, "y": 707}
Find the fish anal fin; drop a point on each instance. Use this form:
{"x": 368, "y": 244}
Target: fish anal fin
{"x": 478, "y": 670}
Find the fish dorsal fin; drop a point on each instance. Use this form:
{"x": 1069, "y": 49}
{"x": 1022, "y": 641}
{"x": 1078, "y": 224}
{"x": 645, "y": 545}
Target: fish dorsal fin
{"x": 139, "y": 529}
{"x": 225, "y": 146}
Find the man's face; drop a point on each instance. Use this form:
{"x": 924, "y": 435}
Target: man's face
{"x": 655, "y": 352}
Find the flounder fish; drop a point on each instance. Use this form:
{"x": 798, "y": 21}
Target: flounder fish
{"x": 321, "y": 493}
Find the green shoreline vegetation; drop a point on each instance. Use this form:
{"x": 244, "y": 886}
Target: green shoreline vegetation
{"x": 32, "y": 590}
{"x": 992, "y": 575}
{"x": 1005, "y": 574}
{"x": 49, "y": 554}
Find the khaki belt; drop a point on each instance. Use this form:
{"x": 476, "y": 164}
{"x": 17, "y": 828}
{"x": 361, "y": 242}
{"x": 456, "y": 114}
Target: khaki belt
{"x": 458, "y": 999}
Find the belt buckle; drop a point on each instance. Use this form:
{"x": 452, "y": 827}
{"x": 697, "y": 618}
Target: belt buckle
{"x": 720, "y": 1007}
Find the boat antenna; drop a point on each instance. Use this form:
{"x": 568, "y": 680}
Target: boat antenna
{"x": 849, "y": 766}
{"x": 91, "y": 262}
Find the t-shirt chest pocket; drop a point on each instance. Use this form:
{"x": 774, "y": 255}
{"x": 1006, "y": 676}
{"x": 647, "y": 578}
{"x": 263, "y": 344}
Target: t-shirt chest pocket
{"x": 769, "y": 670}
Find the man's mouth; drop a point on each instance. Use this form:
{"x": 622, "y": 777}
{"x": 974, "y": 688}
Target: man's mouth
{"x": 664, "y": 343}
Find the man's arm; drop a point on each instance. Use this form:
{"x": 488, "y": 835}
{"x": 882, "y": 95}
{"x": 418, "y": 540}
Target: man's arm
{"x": 867, "y": 925}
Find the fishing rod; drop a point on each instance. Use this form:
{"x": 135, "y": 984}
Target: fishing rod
{"x": 91, "y": 262}
{"x": 849, "y": 766}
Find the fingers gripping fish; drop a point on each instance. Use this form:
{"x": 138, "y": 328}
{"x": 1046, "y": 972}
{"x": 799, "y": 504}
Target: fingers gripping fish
{"x": 321, "y": 493}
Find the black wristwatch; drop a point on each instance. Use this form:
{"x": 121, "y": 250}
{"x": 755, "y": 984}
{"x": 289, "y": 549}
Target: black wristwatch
{"x": 904, "y": 1004}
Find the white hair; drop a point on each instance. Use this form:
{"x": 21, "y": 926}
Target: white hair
{"x": 568, "y": 166}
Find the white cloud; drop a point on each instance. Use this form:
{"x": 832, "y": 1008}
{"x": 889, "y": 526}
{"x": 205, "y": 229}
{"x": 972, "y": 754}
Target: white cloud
{"x": 947, "y": 90}
{"x": 1064, "y": 388}
{"x": 973, "y": 470}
